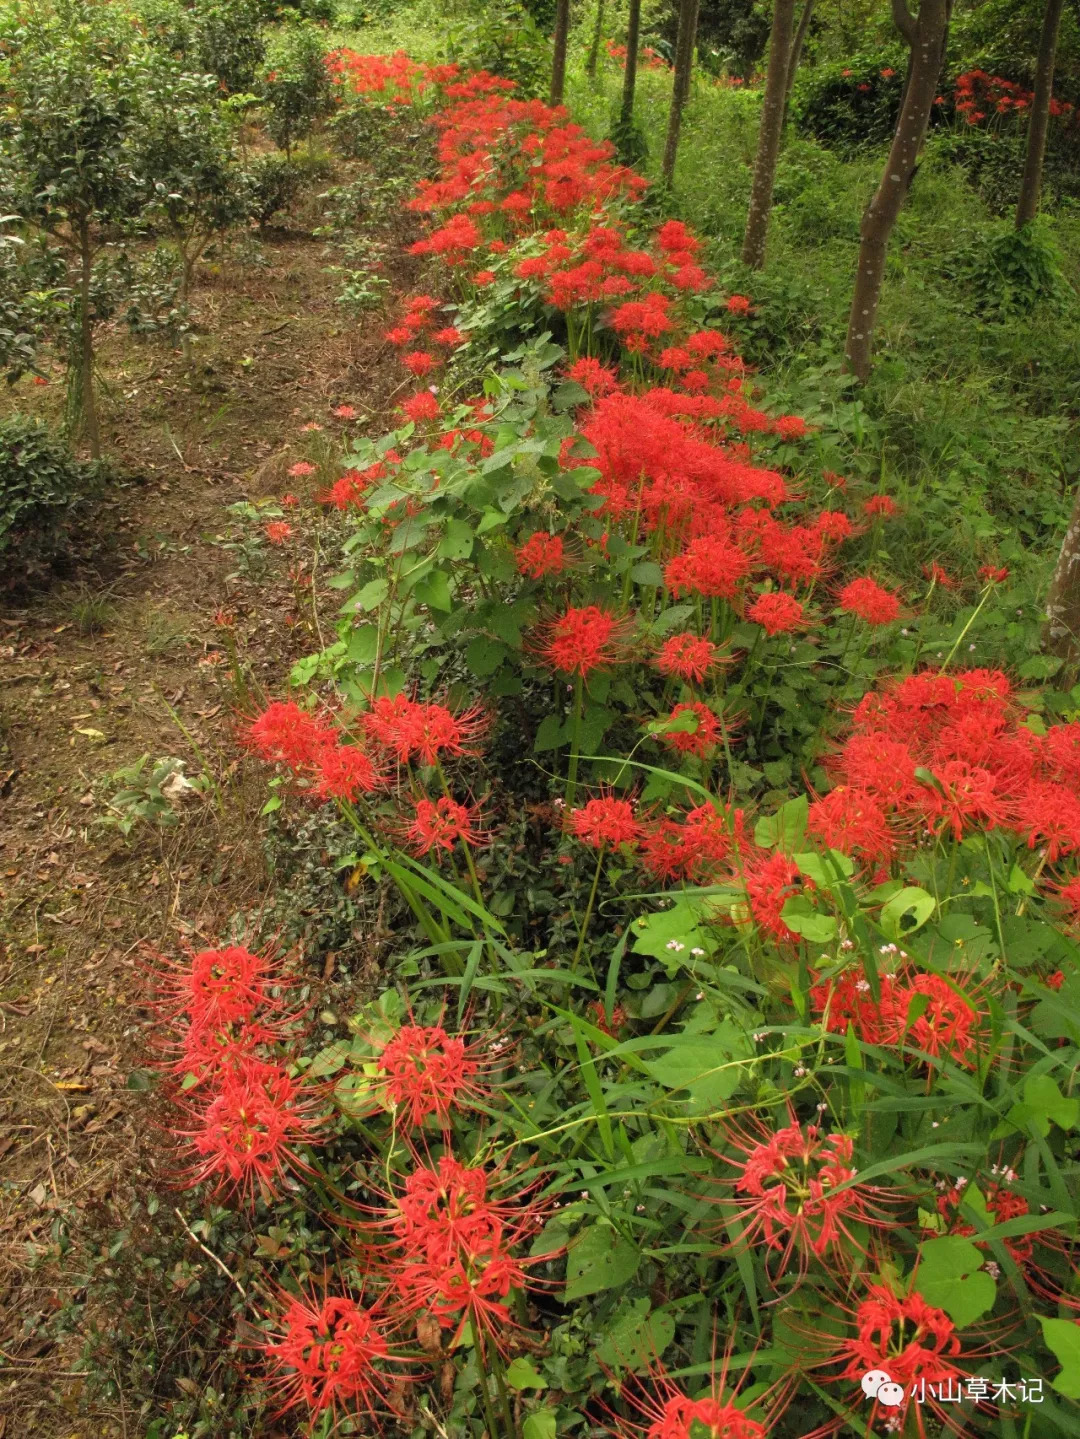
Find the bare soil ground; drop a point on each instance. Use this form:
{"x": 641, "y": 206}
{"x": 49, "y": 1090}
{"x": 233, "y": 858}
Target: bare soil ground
{"x": 81, "y": 1252}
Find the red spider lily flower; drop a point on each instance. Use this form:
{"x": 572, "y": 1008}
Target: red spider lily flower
{"x": 938, "y": 576}
{"x": 421, "y": 406}
{"x": 597, "y": 379}
{"x": 399, "y": 335}
{"x": 916, "y": 1345}
{"x": 786, "y": 1193}
{"x": 847, "y": 1000}
{"x": 994, "y": 574}
{"x": 1068, "y": 893}
{"x": 710, "y": 565}
{"x": 344, "y": 412}
{"x": 442, "y": 823}
{"x": 419, "y": 363}
{"x": 301, "y": 470}
{"x": 598, "y": 1016}
{"x": 1001, "y": 1206}
{"x": 247, "y": 1131}
{"x": 423, "y": 1071}
{"x": 484, "y": 277}
{"x": 224, "y": 619}
{"x": 738, "y": 304}
{"x": 777, "y": 613}
{"x": 425, "y": 731}
{"x": 606, "y": 820}
{"x": 541, "y": 554}
{"x": 450, "y": 336}
{"x": 286, "y": 734}
{"x": 686, "y": 655}
{"x": 834, "y": 525}
{"x": 290, "y": 501}
{"x": 866, "y": 599}
{"x": 278, "y": 531}
{"x": 582, "y": 640}
{"x": 700, "y": 739}
{"x": 457, "y": 1241}
{"x": 329, "y": 1353}
{"x": 669, "y": 852}
{"x": 346, "y": 771}
{"x": 769, "y": 883}
{"x": 883, "y": 505}
{"x": 961, "y": 797}
{"x": 949, "y": 1023}
{"x": 790, "y": 427}
{"x": 217, "y": 988}
{"x": 1049, "y": 815}
{"x": 853, "y": 822}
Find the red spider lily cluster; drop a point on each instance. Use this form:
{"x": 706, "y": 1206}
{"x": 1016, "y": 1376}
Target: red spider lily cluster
{"x": 247, "y": 1117}
{"x": 951, "y": 755}
{"x": 979, "y": 96}
{"x": 648, "y": 58}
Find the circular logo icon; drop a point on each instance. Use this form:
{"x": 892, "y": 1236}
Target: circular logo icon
{"x": 872, "y": 1381}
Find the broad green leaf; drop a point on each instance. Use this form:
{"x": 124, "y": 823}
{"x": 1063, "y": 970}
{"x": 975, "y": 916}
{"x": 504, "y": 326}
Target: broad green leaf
{"x": 671, "y": 932}
{"x": 635, "y": 1339}
{"x": 801, "y": 917}
{"x": 786, "y": 828}
{"x": 1063, "y": 1337}
{"x": 550, "y": 734}
{"x": 434, "y": 591}
{"x": 599, "y": 1258}
{"x": 457, "y": 541}
{"x": 520, "y": 1374}
{"x": 484, "y": 656}
{"x": 949, "y": 1275}
{"x": 370, "y": 596}
{"x": 706, "y": 1067}
{"x": 539, "y": 1425}
{"x": 330, "y": 1059}
{"x": 912, "y": 904}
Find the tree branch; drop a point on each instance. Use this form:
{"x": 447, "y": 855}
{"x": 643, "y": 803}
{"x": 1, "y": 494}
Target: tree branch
{"x": 904, "y": 20}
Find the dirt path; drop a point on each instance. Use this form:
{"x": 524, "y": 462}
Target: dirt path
{"x": 78, "y": 1168}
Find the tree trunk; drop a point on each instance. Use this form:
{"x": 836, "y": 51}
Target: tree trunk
{"x": 594, "y": 46}
{"x": 87, "y": 401}
{"x": 772, "y": 124}
{"x": 926, "y": 39}
{"x": 558, "y": 62}
{"x": 680, "y": 88}
{"x": 633, "y": 36}
{"x": 1061, "y": 632}
{"x": 797, "y": 45}
{"x": 1039, "y": 120}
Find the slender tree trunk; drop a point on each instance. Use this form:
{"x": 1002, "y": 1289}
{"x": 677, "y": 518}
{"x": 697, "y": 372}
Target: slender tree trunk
{"x": 797, "y": 45}
{"x": 594, "y": 44}
{"x": 772, "y": 124}
{"x": 1039, "y": 120}
{"x": 680, "y": 88}
{"x": 633, "y": 37}
{"x": 558, "y": 62}
{"x": 87, "y": 399}
{"x": 926, "y": 39}
{"x": 1061, "y": 632}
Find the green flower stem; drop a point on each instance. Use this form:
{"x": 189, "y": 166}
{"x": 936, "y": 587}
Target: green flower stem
{"x": 588, "y": 908}
{"x": 960, "y": 637}
{"x": 575, "y": 741}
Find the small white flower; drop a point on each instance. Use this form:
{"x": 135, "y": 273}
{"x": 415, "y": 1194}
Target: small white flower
{"x": 992, "y": 1269}
{"x": 696, "y": 952}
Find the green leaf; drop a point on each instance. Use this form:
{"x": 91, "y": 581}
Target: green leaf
{"x": 520, "y": 1374}
{"x": 1043, "y": 1103}
{"x": 786, "y": 828}
{"x": 434, "y": 591}
{"x": 457, "y": 541}
{"x": 550, "y": 734}
{"x": 706, "y": 1067}
{"x": 671, "y": 932}
{"x": 539, "y": 1425}
{"x": 635, "y": 1339}
{"x": 599, "y": 1258}
{"x": 911, "y": 903}
{"x": 484, "y": 656}
{"x": 330, "y": 1059}
{"x": 949, "y": 1275}
{"x": 801, "y": 917}
{"x": 1063, "y": 1337}
{"x": 370, "y": 596}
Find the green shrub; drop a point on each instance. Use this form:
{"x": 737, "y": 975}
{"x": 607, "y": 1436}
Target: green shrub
{"x": 1014, "y": 271}
{"x": 852, "y": 103}
{"x": 229, "y": 41}
{"x": 41, "y": 484}
{"x": 504, "y": 38}
{"x": 295, "y": 84}
{"x": 275, "y": 181}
